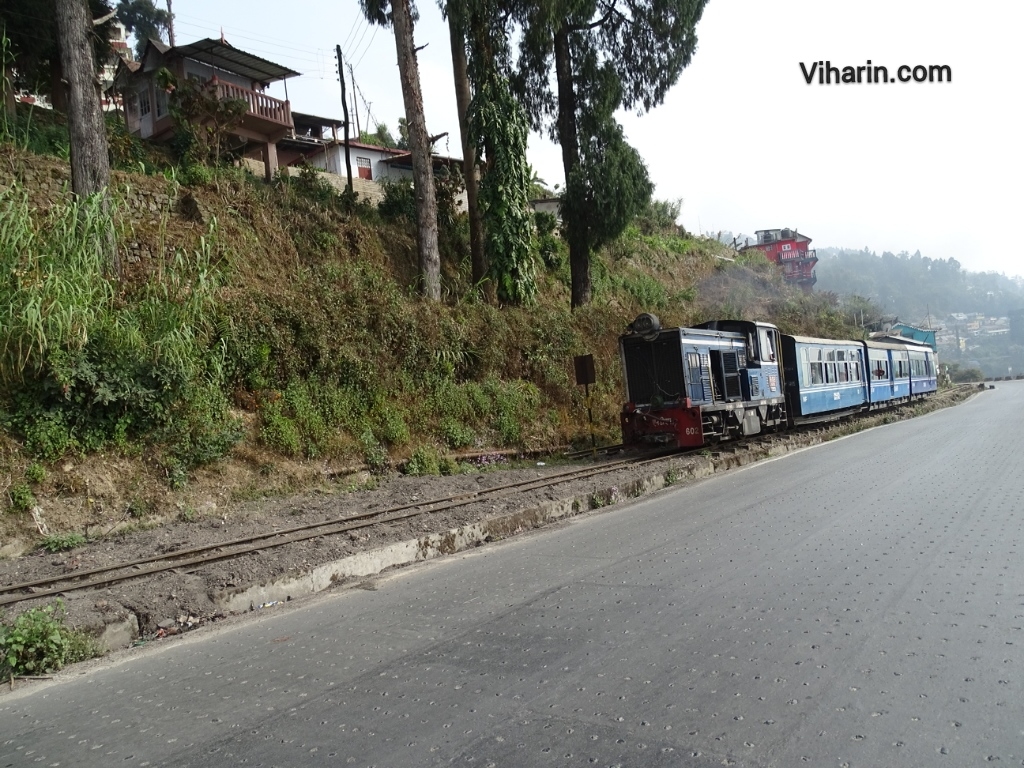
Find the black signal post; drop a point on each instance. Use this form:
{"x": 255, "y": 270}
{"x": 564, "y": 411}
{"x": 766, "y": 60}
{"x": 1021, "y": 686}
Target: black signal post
{"x": 584, "y": 365}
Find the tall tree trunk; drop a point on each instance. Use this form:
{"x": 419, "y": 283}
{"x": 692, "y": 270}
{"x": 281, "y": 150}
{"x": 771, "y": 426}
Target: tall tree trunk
{"x": 90, "y": 164}
{"x": 7, "y": 83}
{"x": 419, "y": 146}
{"x": 575, "y": 226}
{"x": 463, "y": 96}
{"x": 58, "y": 88}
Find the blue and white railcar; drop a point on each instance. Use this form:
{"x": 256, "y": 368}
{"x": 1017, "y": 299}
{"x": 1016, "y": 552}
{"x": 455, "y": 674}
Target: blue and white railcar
{"x": 923, "y": 371}
{"x": 824, "y": 377}
{"x": 888, "y": 369}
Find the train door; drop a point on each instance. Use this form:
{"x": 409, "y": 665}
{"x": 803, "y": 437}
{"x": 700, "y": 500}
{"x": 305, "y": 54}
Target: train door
{"x": 726, "y": 374}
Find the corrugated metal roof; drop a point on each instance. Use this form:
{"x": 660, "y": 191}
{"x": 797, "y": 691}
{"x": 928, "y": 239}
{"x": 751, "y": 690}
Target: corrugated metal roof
{"x": 224, "y": 56}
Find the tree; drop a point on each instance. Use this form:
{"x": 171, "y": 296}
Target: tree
{"x": 496, "y": 130}
{"x": 90, "y": 164}
{"x": 144, "y": 20}
{"x": 456, "y": 14}
{"x": 381, "y": 137}
{"x": 199, "y": 111}
{"x": 401, "y": 18}
{"x": 607, "y": 55}
{"x": 35, "y": 62}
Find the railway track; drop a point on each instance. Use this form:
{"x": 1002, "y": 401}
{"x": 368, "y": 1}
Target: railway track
{"x": 195, "y": 557}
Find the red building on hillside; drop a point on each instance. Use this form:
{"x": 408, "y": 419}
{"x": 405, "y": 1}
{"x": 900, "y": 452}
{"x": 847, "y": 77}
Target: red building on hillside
{"x": 789, "y": 249}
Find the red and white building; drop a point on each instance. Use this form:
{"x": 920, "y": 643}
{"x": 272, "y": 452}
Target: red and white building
{"x": 789, "y": 249}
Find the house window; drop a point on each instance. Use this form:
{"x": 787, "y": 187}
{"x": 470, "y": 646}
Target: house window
{"x": 161, "y": 103}
{"x": 363, "y": 164}
{"x": 144, "y": 105}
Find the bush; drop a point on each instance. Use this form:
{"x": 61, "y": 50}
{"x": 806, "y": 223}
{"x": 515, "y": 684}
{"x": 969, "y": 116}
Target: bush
{"x": 38, "y": 642}
{"x": 425, "y": 460}
{"x": 83, "y": 365}
{"x": 35, "y": 473}
{"x": 61, "y": 542}
{"x": 398, "y": 201}
{"x": 22, "y": 499}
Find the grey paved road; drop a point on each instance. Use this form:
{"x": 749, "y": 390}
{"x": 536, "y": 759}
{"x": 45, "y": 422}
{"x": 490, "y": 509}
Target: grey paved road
{"x": 858, "y": 604}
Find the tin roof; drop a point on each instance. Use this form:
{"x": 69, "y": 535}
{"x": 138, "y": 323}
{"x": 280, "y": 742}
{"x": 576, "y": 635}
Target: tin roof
{"x": 227, "y": 57}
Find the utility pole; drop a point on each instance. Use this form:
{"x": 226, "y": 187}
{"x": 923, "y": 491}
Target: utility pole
{"x": 344, "y": 108}
{"x": 170, "y": 24}
{"x": 355, "y": 105}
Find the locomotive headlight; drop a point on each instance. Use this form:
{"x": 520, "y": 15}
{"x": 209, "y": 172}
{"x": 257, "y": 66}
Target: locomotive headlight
{"x": 646, "y": 325}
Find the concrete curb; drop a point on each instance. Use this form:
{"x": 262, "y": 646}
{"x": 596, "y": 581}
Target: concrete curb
{"x": 372, "y": 562}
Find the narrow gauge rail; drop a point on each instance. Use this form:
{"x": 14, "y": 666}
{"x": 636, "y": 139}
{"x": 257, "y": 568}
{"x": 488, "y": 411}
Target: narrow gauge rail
{"x": 226, "y": 550}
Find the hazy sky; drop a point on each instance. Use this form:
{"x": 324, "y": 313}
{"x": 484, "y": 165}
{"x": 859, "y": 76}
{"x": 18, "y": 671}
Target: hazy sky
{"x": 742, "y": 138}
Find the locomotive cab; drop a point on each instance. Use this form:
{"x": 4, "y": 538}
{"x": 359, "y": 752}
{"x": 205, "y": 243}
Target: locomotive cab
{"x": 690, "y": 386}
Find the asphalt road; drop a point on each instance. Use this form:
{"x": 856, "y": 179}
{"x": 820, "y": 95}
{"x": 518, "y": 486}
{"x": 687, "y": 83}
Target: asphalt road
{"x": 856, "y": 604}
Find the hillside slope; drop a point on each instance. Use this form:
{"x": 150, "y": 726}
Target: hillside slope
{"x": 267, "y": 338}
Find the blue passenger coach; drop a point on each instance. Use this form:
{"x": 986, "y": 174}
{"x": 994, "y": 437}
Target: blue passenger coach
{"x": 888, "y": 372}
{"x": 688, "y": 387}
{"x": 923, "y": 374}
{"x": 824, "y": 377}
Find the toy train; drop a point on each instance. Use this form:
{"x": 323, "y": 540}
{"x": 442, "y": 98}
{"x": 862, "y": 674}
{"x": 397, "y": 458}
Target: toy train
{"x": 689, "y": 387}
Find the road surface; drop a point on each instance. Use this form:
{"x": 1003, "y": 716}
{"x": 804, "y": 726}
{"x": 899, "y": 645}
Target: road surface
{"x": 856, "y": 604}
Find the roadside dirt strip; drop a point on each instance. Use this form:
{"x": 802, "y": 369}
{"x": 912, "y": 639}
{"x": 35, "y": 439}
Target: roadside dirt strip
{"x": 191, "y": 595}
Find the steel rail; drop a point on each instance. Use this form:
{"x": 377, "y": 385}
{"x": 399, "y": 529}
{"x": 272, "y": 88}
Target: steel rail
{"x": 248, "y": 544}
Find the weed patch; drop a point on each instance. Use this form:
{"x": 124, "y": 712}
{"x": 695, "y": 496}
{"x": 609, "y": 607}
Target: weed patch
{"x": 38, "y": 642}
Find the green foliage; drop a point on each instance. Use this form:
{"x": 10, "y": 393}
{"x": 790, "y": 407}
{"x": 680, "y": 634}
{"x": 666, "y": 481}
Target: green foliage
{"x": 203, "y": 114}
{"x": 374, "y": 454}
{"x": 398, "y": 201}
{"x": 380, "y": 138}
{"x": 38, "y": 642}
{"x": 550, "y": 247}
{"x": 22, "y": 498}
{"x": 35, "y": 473}
{"x": 609, "y": 187}
{"x": 497, "y": 122}
{"x": 61, "y": 542}
{"x": 39, "y": 131}
{"x": 425, "y": 460}
{"x": 81, "y": 367}
{"x": 660, "y": 217}
{"x": 143, "y": 19}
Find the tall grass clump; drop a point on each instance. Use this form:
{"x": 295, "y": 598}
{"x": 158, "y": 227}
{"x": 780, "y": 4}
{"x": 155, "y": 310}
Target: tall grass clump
{"x": 86, "y": 361}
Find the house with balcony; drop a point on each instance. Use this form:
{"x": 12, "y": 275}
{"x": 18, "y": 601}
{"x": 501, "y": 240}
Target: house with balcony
{"x": 237, "y": 74}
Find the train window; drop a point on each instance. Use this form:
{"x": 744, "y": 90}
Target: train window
{"x": 766, "y": 338}
{"x": 830, "y": 355}
{"x": 844, "y": 371}
{"x": 816, "y": 375}
{"x": 693, "y": 364}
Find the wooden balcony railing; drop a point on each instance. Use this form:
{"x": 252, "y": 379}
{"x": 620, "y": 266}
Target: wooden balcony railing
{"x": 260, "y": 105}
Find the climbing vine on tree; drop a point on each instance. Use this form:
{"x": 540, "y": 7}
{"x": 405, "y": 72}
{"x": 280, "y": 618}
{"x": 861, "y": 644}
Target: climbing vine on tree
{"x": 498, "y": 122}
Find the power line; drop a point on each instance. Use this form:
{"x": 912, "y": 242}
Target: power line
{"x": 318, "y": 62}
{"x": 352, "y": 30}
{"x": 368, "y": 45}
{"x": 360, "y": 42}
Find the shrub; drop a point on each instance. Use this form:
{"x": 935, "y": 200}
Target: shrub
{"x": 374, "y": 454}
{"x": 425, "y": 460}
{"x": 35, "y": 473}
{"x": 82, "y": 367}
{"x": 38, "y": 642}
{"x": 60, "y": 542}
{"x": 22, "y": 498}
{"x": 456, "y": 434}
